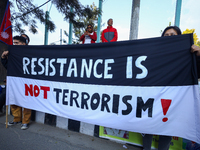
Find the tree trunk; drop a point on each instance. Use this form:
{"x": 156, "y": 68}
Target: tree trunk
{"x": 3, "y": 46}
{"x": 134, "y": 20}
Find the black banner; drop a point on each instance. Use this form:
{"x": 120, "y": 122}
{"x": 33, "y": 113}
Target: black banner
{"x": 147, "y": 62}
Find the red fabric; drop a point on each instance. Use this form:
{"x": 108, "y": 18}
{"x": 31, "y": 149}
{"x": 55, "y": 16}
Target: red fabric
{"x": 6, "y": 28}
{"x": 93, "y": 38}
{"x": 109, "y": 29}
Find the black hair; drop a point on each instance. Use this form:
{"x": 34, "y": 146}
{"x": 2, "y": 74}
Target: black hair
{"x": 90, "y": 25}
{"x": 27, "y": 38}
{"x": 20, "y": 38}
{"x": 177, "y": 29}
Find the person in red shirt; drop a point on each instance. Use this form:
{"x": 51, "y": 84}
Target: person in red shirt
{"x": 89, "y": 36}
{"x": 109, "y": 34}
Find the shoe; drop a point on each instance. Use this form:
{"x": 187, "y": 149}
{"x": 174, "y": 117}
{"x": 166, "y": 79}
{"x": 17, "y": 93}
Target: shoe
{"x": 13, "y": 123}
{"x": 24, "y": 126}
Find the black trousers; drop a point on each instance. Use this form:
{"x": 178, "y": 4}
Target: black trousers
{"x": 2, "y": 98}
{"x": 164, "y": 142}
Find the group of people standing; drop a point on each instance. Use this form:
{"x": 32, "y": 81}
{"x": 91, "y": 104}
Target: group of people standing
{"x": 108, "y": 35}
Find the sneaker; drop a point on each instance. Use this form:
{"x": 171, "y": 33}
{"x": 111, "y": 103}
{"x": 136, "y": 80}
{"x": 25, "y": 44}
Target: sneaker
{"x": 13, "y": 123}
{"x": 24, "y": 126}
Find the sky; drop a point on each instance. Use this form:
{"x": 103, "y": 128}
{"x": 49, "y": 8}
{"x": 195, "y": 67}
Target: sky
{"x": 154, "y": 16}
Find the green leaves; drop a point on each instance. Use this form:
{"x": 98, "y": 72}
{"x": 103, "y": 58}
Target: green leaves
{"x": 26, "y": 13}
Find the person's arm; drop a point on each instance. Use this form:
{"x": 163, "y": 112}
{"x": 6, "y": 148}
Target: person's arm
{"x": 4, "y": 58}
{"x": 115, "y": 36}
{"x": 82, "y": 37}
{"x": 196, "y": 49}
{"x": 4, "y": 62}
{"x": 103, "y": 38}
{"x": 5, "y": 54}
{"x": 94, "y": 36}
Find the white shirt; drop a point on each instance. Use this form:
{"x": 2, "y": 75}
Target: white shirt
{"x": 88, "y": 39}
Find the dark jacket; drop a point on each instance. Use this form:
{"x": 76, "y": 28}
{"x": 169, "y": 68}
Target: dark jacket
{"x": 198, "y": 65}
{"x": 4, "y": 62}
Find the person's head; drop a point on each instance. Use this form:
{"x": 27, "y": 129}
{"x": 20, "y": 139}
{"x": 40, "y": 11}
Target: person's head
{"x": 90, "y": 28}
{"x": 110, "y": 22}
{"x": 171, "y": 30}
{"x": 19, "y": 40}
{"x": 26, "y": 37}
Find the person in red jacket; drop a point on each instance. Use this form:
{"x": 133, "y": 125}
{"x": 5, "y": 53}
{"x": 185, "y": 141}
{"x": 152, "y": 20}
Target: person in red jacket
{"x": 109, "y": 34}
{"x": 89, "y": 36}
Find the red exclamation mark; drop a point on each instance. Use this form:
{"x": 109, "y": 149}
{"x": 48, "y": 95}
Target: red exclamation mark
{"x": 165, "y": 105}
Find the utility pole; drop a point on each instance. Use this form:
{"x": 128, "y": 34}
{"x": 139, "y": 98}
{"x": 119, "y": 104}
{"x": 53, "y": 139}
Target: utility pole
{"x": 99, "y": 21}
{"x": 60, "y": 36}
{"x": 134, "y": 20}
{"x": 46, "y": 32}
{"x": 70, "y": 28}
{"x": 46, "y": 28}
{"x": 178, "y": 13}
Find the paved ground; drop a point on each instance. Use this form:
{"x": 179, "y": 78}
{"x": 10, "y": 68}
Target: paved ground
{"x": 45, "y": 137}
